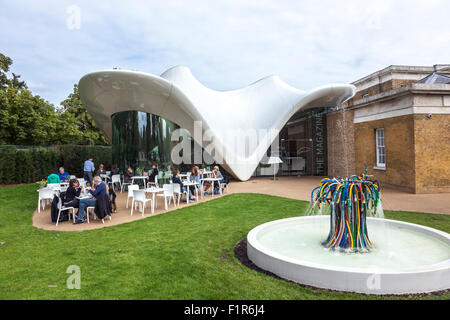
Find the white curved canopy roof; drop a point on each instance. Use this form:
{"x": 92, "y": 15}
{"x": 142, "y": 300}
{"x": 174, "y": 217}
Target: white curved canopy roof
{"x": 178, "y": 96}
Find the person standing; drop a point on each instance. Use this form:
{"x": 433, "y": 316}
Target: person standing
{"x": 88, "y": 170}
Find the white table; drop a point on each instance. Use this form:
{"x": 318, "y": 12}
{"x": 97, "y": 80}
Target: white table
{"x": 207, "y": 173}
{"x": 188, "y": 184}
{"x": 212, "y": 180}
{"x": 153, "y": 191}
{"x": 143, "y": 178}
{"x": 84, "y": 196}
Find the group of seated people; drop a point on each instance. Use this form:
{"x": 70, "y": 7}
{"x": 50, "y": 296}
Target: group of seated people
{"x": 99, "y": 191}
{"x": 195, "y": 177}
{"x": 58, "y": 176}
{"x": 62, "y": 176}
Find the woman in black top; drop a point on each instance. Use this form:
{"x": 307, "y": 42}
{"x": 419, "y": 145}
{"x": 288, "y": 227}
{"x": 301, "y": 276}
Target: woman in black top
{"x": 151, "y": 177}
{"x": 128, "y": 174}
{"x": 73, "y": 191}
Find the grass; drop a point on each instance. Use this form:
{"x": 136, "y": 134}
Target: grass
{"x": 183, "y": 254}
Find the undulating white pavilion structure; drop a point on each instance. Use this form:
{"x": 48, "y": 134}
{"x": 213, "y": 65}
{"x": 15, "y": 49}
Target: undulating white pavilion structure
{"x": 176, "y": 95}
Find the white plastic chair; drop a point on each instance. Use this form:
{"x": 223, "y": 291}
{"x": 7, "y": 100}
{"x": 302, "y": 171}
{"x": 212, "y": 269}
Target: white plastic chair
{"x": 167, "y": 194}
{"x": 61, "y": 208}
{"x": 116, "y": 179}
{"x": 72, "y": 177}
{"x": 131, "y": 187}
{"x": 44, "y": 195}
{"x": 153, "y": 183}
{"x": 53, "y": 185}
{"x": 196, "y": 192}
{"x": 95, "y": 216}
{"x": 168, "y": 175}
{"x": 177, "y": 191}
{"x": 139, "y": 197}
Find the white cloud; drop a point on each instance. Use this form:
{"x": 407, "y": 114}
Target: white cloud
{"x": 227, "y": 44}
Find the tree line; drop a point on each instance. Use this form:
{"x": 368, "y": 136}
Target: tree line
{"x": 28, "y": 119}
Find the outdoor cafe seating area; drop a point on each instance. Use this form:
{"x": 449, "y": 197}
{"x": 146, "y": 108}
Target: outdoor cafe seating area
{"x": 137, "y": 195}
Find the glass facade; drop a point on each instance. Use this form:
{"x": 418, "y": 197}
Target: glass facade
{"x": 302, "y": 146}
{"x": 140, "y": 139}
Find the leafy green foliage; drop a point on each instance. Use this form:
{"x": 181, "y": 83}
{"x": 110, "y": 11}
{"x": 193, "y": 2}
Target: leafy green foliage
{"x": 73, "y": 157}
{"x": 27, "y": 119}
{"x": 78, "y": 123}
{"x": 31, "y": 165}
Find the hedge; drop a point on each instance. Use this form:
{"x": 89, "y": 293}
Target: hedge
{"x": 31, "y": 164}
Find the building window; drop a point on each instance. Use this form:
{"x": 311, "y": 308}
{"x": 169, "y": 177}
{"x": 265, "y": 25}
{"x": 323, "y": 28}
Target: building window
{"x": 381, "y": 148}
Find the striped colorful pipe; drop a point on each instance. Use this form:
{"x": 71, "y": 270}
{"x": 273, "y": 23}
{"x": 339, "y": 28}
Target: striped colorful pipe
{"x": 351, "y": 201}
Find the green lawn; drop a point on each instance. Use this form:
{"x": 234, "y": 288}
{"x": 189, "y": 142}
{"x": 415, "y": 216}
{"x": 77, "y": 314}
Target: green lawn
{"x": 183, "y": 254}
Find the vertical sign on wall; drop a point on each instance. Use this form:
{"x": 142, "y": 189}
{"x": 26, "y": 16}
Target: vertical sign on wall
{"x": 320, "y": 143}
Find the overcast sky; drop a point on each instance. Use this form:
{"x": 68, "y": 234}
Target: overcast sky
{"x": 226, "y": 44}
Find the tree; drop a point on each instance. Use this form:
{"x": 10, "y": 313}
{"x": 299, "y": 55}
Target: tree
{"x": 27, "y": 119}
{"x": 75, "y": 117}
{"x": 24, "y": 118}
{"x": 5, "y": 63}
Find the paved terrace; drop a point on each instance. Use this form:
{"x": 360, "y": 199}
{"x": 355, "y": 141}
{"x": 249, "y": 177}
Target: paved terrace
{"x": 290, "y": 187}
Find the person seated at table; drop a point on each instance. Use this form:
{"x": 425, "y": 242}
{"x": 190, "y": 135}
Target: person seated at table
{"x": 153, "y": 174}
{"x": 176, "y": 179}
{"x": 194, "y": 177}
{"x": 101, "y": 169}
{"x": 114, "y": 170}
{"x": 53, "y": 178}
{"x": 63, "y": 176}
{"x": 98, "y": 189}
{"x": 217, "y": 174}
{"x": 72, "y": 192}
{"x": 128, "y": 174}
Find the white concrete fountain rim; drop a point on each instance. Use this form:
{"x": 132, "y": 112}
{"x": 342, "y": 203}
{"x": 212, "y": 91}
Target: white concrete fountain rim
{"x": 443, "y": 236}
{"x": 422, "y": 279}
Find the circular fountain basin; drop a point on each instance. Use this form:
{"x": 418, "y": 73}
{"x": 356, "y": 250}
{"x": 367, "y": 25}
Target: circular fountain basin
{"x": 406, "y": 259}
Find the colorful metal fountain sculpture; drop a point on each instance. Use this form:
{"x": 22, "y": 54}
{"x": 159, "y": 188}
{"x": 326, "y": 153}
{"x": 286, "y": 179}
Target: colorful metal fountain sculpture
{"x": 351, "y": 201}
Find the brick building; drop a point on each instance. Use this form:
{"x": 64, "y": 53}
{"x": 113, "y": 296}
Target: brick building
{"x": 398, "y": 124}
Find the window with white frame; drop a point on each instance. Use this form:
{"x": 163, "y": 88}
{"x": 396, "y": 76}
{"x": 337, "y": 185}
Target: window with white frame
{"x": 381, "y": 148}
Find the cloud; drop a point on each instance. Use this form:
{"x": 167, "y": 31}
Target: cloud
{"x": 227, "y": 44}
